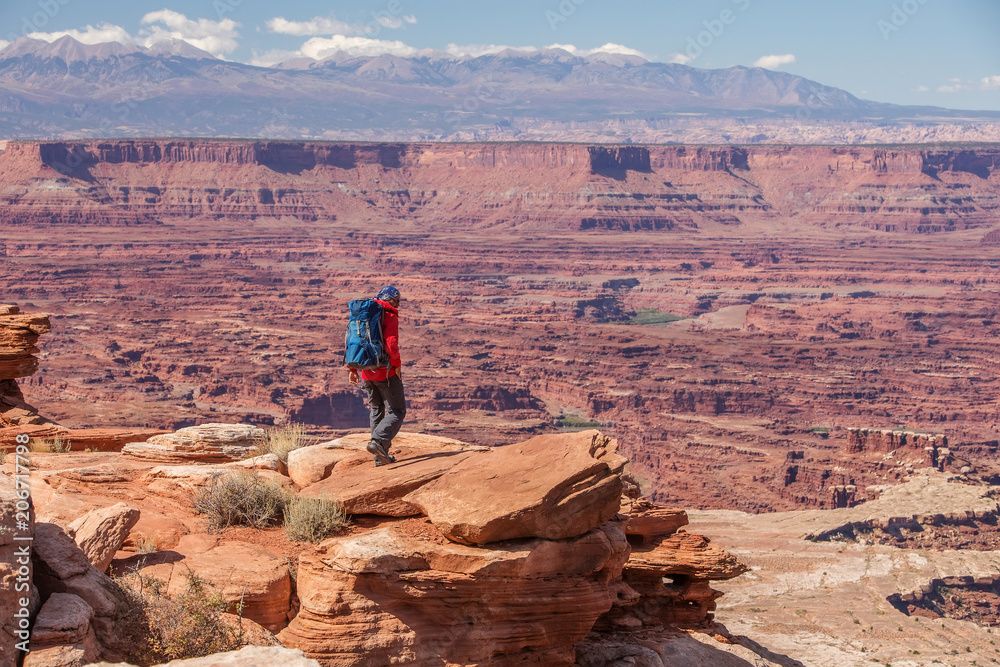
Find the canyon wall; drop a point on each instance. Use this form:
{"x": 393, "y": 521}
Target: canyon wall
{"x": 530, "y": 186}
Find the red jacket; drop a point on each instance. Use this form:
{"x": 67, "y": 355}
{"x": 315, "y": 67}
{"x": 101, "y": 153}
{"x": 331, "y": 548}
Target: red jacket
{"x": 390, "y": 333}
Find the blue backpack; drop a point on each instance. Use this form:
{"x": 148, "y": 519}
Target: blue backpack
{"x": 364, "y": 343}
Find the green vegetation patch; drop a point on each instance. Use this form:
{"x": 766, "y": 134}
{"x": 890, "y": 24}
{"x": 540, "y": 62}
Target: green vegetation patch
{"x": 576, "y": 421}
{"x": 654, "y": 316}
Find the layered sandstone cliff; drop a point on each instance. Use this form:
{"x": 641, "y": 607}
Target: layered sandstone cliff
{"x": 530, "y": 186}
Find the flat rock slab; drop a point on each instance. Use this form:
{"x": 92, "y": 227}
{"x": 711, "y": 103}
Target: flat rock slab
{"x": 308, "y": 465}
{"x": 363, "y": 488}
{"x": 552, "y": 486}
{"x": 649, "y": 521}
{"x": 183, "y": 481}
{"x": 208, "y": 443}
{"x": 684, "y": 554}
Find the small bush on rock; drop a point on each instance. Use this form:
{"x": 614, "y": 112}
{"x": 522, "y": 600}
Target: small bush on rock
{"x": 241, "y": 499}
{"x": 282, "y": 440}
{"x": 153, "y": 628}
{"x": 313, "y": 519}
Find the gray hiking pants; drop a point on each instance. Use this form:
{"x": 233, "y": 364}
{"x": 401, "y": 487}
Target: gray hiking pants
{"x": 388, "y": 407}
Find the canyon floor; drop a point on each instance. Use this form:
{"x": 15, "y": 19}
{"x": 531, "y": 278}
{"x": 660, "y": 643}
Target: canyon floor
{"x": 776, "y": 347}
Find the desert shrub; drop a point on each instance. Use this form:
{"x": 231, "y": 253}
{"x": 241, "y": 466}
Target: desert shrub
{"x": 153, "y": 628}
{"x": 313, "y": 519}
{"x": 280, "y": 441}
{"x": 47, "y": 445}
{"x": 241, "y": 499}
{"x": 144, "y": 544}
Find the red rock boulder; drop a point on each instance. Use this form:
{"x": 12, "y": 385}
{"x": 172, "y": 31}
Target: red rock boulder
{"x": 551, "y": 486}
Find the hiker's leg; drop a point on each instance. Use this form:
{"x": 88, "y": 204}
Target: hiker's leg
{"x": 395, "y": 411}
{"x": 376, "y": 405}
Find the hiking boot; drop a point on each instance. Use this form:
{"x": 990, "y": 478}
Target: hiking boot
{"x": 378, "y": 450}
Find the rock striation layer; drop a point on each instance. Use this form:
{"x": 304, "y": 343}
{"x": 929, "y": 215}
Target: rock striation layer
{"x": 207, "y": 443}
{"x": 625, "y": 188}
{"x": 387, "y": 596}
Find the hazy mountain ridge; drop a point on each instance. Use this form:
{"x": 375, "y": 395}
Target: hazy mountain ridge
{"x": 68, "y": 89}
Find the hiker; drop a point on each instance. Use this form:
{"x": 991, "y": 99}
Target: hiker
{"x": 385, "y": 385}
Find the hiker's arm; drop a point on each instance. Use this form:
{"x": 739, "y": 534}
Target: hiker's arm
{"x": 353, "y": 377}
{"x": 392, "y": 342}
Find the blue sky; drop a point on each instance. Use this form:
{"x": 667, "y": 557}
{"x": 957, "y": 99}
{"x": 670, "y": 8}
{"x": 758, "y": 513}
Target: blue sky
{"x": 937, "y": 52}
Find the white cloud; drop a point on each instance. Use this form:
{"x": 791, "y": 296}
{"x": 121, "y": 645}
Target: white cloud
{"x": 921, "y": 89}
{"x": 323, "y": 47}
{"x": 476, "y": 50}
{"x": 216, "y": 37}
{"x": 955, "y": 85}
{"x": 774, "y": 61}
{"x": 321, "y": 25}
{"x": 104, "y": 32}
{"x": 610, "y": 47}
{"x": 958, "y": 85}
{"x": 273, "y": 57}
{"x": 680, "y": 59}
{"x": 315, "y": 26}
{"x": 4, "y": 44}
{"x": 390, "y": 21}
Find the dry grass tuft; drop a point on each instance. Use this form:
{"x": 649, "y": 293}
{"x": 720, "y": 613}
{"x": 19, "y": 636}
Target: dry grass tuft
{"x": 49, "y": 445}
{"x": 313, "y": 519}
{"x": 282, "y": 440}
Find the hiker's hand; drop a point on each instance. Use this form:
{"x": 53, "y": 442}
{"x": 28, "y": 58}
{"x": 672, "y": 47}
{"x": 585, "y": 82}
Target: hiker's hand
{"x": 353, "y": 377}
{"x": 399, "y": 372}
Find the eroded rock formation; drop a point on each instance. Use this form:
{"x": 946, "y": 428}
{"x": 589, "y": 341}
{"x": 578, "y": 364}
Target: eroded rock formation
{"x": 18, "y": 335}
{"x": 387, "y": 595}
{"x": 387, "y": 589}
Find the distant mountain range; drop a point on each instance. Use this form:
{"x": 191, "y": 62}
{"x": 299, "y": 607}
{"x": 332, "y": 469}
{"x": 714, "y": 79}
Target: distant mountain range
{"x": 66, "y": 89}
